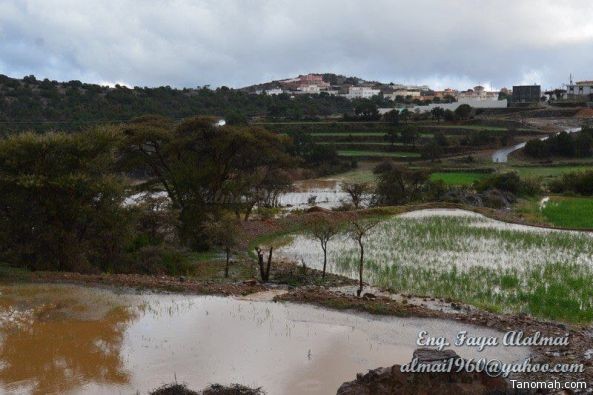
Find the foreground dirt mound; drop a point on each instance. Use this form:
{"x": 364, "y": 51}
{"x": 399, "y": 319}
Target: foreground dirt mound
{"x": 214, "y": 389}
{"x": 585, "y": 113}
{"x": 391, "y": 381}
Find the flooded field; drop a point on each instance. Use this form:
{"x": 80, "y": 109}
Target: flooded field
{"x": 465, "y": 256}
{"x": 59, "y": 339}
{"x": 308, "y": 193}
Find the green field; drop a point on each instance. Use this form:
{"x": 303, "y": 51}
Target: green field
{"x": 472, "y": 259}
{"x": 356, "y": 153}
{"x": 548, "y": 171}
{"x": 569, "y": 212}
{"x": 342, "y": 134}
{"x": 457, "y": 178}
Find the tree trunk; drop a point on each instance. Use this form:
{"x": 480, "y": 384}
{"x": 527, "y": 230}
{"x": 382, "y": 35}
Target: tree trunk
{"x": 324, "y": 247}
{"x": 359, "y": 292}
{"x": 269, "y": 265}
{"x": 226, "y": 268}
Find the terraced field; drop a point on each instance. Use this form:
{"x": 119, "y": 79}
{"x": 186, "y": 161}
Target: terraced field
{"x": 469, "y": 258}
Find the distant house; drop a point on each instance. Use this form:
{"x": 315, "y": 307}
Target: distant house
{"x": 361, "y": 92}
{"x": 580, "y": 89}
{"x": 527, "y": 93}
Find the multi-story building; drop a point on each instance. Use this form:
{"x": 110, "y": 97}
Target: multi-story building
{"x": 580, "y": 89}
{"x": 527, "y": 93}
{"x": 361, "y": 92}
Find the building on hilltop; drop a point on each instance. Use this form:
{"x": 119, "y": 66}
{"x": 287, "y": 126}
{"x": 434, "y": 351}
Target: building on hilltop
{"x": 361, "y": 92}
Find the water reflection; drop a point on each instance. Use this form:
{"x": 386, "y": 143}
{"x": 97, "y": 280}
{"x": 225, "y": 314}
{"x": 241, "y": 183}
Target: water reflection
{"x": 59, "y": 339}
{"x": 55, "y": 341}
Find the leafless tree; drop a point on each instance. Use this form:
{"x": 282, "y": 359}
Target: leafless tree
{"x": 358, "y": 229}
{"x": 264, "y": 270}
{"x": 357, "y": 191}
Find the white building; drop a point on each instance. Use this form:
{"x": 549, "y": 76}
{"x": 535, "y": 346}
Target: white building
{"x": 361, "y": 92}
{"x": 274, "y": 91}
{"x": 312, "y": 89}
{"x": 580, "y": 88}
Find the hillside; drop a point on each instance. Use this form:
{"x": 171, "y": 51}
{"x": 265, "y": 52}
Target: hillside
{"x": 30, "y": 103}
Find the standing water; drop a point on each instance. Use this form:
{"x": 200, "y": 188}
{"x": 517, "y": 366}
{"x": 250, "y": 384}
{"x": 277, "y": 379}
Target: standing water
{"x": 73, "y": 339}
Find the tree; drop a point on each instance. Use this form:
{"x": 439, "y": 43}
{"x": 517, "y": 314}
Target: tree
{"x": 61, "y": 201}
{"x": 203, "y": 168}
{"x": 431, "y": 151}
{"x": 224, "y": 233}
{"x": 463, "y": 111}
{"x": 264, "y": 270}
{"x": 358, "y": 229}
{"x": 391, "y": 136}
{"x": 322, "y": 227}
{"x": 437, "y": 113}
{"x": 409, "y": 135}
{"x": 397, "y": 185}
{"x": 357, "y": 192}
{"x": 405, "y": 115}
{"x": 392, "y": 117}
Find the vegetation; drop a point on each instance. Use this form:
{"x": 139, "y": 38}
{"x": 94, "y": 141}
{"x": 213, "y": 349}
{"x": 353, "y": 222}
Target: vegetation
{"x": 546, "y": 274}
{"x": 457, "y": 178}
{"x": 577, "y": 145}
{"x": 569, "y": 212}
{"x": 45, "y": 105}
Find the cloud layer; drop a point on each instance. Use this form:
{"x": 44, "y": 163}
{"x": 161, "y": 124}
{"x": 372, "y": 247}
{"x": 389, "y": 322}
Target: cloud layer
{"x": 186, "y": 43}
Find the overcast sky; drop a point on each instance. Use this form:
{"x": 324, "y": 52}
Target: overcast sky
{"x": 186, "y": 43}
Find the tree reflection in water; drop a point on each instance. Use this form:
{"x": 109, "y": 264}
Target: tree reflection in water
{"x": 49, "y": 348}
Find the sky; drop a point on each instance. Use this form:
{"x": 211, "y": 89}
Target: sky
{"x": 189, "y": 43}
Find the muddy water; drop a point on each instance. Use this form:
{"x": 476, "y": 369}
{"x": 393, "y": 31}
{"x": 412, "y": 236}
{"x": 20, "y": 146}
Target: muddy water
{"x": 71, "y": 339}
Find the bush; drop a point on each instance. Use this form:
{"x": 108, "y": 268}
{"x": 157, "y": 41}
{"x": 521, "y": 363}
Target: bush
{"x": 508, "y": 182}
{"x": 159, "y": 260}
{"x": 576, "y": 182}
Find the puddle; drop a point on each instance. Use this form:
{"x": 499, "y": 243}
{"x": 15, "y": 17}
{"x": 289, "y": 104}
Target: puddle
{"x": 91, "y": 340}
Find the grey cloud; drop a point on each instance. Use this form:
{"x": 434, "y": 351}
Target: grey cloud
{"x": 234, "y": 42}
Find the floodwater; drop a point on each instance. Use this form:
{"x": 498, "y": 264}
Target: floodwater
{"x": 60, "y": 339}
{"x": 308, "y": 193}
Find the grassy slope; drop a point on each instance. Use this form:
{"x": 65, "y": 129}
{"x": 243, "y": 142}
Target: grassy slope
{"x": 569, "y": 212}
{"x": 356, "y": 153}
{"x": 457, "y": 178}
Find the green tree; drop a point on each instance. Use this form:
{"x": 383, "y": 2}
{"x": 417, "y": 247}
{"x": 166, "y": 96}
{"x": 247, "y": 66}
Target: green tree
{"x": 463, "y": 111}
{"x": 61, "y": 201}
{"x": 437, "y": 113}
{"x": 204, "y": 168}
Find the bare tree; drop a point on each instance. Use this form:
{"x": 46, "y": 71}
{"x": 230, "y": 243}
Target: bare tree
{"x": 322, "y": 227}
{"x": 357, "y": 192}
{"x": 264, "y": 270}
{"x": 224, "y": 233}
{"x": 359, "y": 228}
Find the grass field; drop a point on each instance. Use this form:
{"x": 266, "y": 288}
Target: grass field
{"x": 468, "y": 258}
{"x": 356, "y": 153}
{"x": 548, "y": 171}
{"x": 569, "y": 212}
{"x": 457, "y": 178}
{"x": 342, "y": 134}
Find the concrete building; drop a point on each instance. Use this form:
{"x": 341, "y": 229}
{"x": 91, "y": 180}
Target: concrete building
{"x": 274, "y": 91}
{"x": 580, "y": 89}
{"x": 527, "y": 93}
{"x": 361, "y": 92}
